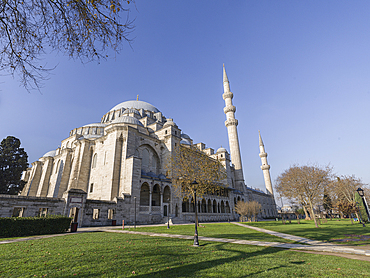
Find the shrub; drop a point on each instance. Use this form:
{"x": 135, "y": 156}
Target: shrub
{"x": 27, "y": 226}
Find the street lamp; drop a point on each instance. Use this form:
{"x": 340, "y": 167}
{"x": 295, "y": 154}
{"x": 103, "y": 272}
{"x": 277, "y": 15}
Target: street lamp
{"x": 168, "y": 213}
{"x": 135, "y": 213}
{"x": 360, "y": 192}
{"x": 196, "y": 242}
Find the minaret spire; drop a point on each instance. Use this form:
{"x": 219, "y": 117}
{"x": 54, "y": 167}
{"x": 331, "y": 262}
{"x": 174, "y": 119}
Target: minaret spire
{"x": 261, "y": 142}
{"x": 265, "y": 167}
{"x": 231, "y": 124}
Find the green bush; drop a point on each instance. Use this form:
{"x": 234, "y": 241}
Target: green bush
{"x": 27, "y": 226}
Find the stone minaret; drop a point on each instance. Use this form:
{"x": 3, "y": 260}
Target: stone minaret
{"x": 265, "y": 167}
{"x": 231, "y": 124}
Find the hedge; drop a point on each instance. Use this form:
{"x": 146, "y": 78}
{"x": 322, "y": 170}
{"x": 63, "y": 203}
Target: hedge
{"x": 27, "y": 226}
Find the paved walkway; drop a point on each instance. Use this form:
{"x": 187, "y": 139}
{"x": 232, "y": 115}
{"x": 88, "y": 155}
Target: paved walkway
{"x": 313, "y": 245}
{"x": 321, "y": 248}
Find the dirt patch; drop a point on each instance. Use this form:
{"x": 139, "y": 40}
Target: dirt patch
{"x": 349, "y": 238}
{"x": 344, "y": 255}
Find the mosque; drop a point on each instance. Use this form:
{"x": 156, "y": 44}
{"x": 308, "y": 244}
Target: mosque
{"x": 114, "y": 171}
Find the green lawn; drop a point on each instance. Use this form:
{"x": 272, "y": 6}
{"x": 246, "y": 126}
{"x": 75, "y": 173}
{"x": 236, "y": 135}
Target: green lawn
{"x": 333, "y": 229}
{"x": 219, "y": 230}
{"x": 126, "y": 255}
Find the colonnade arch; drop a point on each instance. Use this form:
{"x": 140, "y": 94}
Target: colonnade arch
{"x": 206, "y": 206}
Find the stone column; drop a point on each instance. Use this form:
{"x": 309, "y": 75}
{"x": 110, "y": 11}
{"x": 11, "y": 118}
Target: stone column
{"x": 161, "y": 203}
{"x": 150, "y": 201}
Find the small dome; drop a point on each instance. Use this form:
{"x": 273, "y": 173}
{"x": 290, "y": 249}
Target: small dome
{"x": 169, "y": 123}
{"x": 183, "y": 135}
{"x": 50, "y": 153}
{"x": 221, "y": 150}
{"x": 185, "y": 142}
{"x": 162, "y": 177}
{"x": 127, "y": 120}
{"x": 131, "y": 110}
{"x": 137, "y": 104}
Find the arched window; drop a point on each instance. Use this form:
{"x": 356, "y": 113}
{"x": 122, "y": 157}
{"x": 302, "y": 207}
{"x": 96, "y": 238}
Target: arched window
{"x": 209, "y": 206}
{"x": 156, "y": 197}
{"x": 227, "y": 207}
{"x": 145, "y": 160}
{"x": 204, "y": 206}
{"x": 222, "y": 207}
{"x": 167, "y": 194}
{"x": 95, "y": 157}
{"x": 144, "y": 195}
{"x": 214, "y": 206}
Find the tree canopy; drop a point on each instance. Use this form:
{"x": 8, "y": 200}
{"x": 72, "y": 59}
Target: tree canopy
{"x": 188, "y": 164}
{"x": 13, "y": 161}
{"x": 304, "y": 184}
{"x": 82, "y": 29}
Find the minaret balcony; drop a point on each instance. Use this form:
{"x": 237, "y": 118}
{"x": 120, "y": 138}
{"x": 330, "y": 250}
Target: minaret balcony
{"x": 263, "y": 155}
{"x": 231, "y": 122}
{"x": 265, "y": 167}
{"x": 230, "y": 108}
{"x": 227, "y": 95}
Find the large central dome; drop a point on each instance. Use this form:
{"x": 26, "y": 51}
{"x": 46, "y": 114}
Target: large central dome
{"x": 137, "y": 104}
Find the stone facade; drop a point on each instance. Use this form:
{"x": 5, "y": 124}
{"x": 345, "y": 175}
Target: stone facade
{"x": 115, "y": 171}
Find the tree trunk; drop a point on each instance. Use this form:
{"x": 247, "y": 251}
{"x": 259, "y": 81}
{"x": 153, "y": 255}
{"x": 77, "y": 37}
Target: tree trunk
{"x": 306, "y": 213}
{"x": 358, "y": 218}
{"x": 313, "y": 214}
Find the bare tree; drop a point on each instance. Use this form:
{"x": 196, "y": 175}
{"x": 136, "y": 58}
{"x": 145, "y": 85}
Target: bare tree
{"x": 255, "y": 208}
{"x": 188, "y": 164}
{"x": 248, "y": 209}
{"x": 82, "y": 29}
{"x": 304, "y": 185}
{"x": 242, "y": 208}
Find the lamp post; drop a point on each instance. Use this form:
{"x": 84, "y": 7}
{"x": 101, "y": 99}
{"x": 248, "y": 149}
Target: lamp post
{"x": 360, "y": 192}
{"x": 359, "y": 210}
{"x": 168, "y": 213}
{"x": 135, "y": 213}
{"x": 196, "y": 242}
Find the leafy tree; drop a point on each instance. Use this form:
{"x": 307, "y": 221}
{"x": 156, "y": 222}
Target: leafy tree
{"x": 345, "y": 189}
{"x": 347, "y": 208}
{"x": 188, "y": 164}
{"x": 298, "y": 211}
{"x": 361, "y": 208}
{"x": 13, "y": 161}
{"x": 304, "y": 185}
{"x": 327, "y": 203}
{"x": 82, "y": 29}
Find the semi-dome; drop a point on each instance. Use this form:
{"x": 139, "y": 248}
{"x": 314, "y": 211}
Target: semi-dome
{"x": 50, "y": 153}
{"x": 183, "y": 135}
{"x": 95, "y": 125}
{"x": 127, "y": 120}
{"x": 137, "y": 104}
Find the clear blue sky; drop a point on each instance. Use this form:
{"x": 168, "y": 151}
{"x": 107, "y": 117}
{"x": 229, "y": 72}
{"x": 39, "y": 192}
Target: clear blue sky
{"x": 299, "y": 71}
